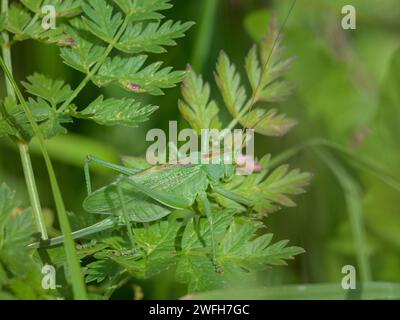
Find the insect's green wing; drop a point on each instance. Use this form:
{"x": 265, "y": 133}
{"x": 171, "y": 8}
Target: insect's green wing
{"x": 175, "y": 186}
{"x": 140, "y": 207}
{"x": 162, "y": 189}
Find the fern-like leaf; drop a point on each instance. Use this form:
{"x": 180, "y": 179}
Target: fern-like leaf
{"x": 100, "y": 19}
{"x": 125, "y": 112}
{"x": 151, "y": 37}
{"x": 130, "y": 75}
{"x": 54, "y": 91}
{"x": 196, "y": 108}
{"x": 268, "y": 190}
{"x": 140, "y": 10}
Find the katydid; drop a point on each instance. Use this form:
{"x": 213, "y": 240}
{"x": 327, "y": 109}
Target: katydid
{"x": 143, "y": 196}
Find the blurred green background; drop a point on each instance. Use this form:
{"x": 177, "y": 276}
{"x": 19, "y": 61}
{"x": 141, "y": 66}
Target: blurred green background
{"x": 348, "y": 91}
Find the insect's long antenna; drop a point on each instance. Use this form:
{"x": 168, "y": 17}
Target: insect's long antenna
{"x": 253, "y": 98}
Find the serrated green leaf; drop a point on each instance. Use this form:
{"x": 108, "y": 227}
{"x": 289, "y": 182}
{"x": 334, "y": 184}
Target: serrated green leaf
{"x": 13, "y": 119}
{"x": 82, "y": 56}
{"x": 48, "y": 119}
{"x": 17, "y": 18}
{"x": 128, "y": 74}
{"x": 241, "y": 247}
{"x": 239, "y": 251}
{"x": 33, "y": 5}
{"x": 5, "y": 128}
{"x": 253, "y": 68}
{"x": 268, "y": 191}
{"x": 268, "y": 123}
{"x": 229, "y": 83}
{"x": 100, "y": 270}
{"x": 54, "y": 91}
{"x": 100, "y": 20}
{"x": 63, "y": 8}
{"x": 20, "y": 275}
{"x": 140, "y": 10}
{"x": 152, "y": 36}
{"x": 6, "y": 124}
{"x": 53, "y": 126}
{"x": 197, "y": 109}
{"x": 41, "y": 110}
{"x": 126, "y": 112}
{"x": 66, "y": 8}
{"x": 157, "y": 243}
{"x": 273, "y": 67}
{"x": 198, "y": 272}
{"x": 16, "y": 228}
{"x": 58, "y": 36}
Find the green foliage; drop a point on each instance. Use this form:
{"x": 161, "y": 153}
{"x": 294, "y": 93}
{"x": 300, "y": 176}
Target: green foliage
{"x": 16, "y": 124}
{"x": 64, "y": 8}
{"x": 54, "y": 91}
{"x": 197, "y": 108}
{"x": 126, "y": 112}
{"x": 93, "y": 44}
{"x": 185, "y": 242}
{"x": 269, "y": 190}
{"x": 108, "y": 45}
{"x": 20, "y": 276}
{"x": 174, "y": 242}
{"x": 128, "y": 74}
{"x": 100, "y": 20}
{"x": 152, "y": 37}
{"x": 266, "y": 68}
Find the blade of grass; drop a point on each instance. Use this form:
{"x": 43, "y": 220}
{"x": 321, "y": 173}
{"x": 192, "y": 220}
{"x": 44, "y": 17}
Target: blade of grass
{"x": 323, "y": 291}
{"x": 205, "y": 34}
{"x": 353, "y": 196}
{"x": 351, "y": 190}
{"x": 358, "y": 161}
{"x": 22, "y": 146}
{"x": 78, "y": 286}
{"x": 32, "y": 190}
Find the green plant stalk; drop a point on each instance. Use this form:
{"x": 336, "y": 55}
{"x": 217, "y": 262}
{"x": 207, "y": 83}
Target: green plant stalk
{"x": 96, "y": 67}
{"x": 32, "y": 190}
{"x": 77, "y": 282}
{"x": 205, "y": 34}
{"x": 353, "y": 196}
{"x": 22, "y": 146}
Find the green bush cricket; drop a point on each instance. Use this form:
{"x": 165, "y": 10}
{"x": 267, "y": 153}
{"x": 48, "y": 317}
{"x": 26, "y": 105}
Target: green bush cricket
{"x": 148, "y": 195}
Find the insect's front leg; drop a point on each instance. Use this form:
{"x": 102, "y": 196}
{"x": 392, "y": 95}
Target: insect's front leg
{"x": 92, "y": 159}
{"x": 232, "y": 196}
{"x": 208, "y": 211}
{"x": 126, "y": 216}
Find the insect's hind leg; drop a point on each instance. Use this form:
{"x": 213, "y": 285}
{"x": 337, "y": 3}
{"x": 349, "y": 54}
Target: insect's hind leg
{"x": 207, "y": 208}
{"x": 92, "y": 159}
{"x": 126, "y": 216}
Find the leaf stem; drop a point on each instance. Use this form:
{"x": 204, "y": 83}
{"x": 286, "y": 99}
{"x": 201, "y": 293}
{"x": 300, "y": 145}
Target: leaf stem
{"x": 78, "y": 286}
{"x": 22, "y": 146}
{"x": 96, "y": 67}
